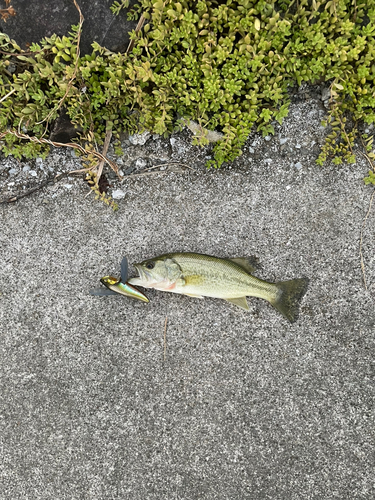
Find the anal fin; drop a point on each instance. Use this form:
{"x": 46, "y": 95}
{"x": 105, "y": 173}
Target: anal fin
{"x": 240, "y": 302}
{"x": 193, "y": 295}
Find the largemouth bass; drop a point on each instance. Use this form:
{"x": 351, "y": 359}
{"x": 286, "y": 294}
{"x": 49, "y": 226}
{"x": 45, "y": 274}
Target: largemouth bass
{"x": 115, "y": 286}
{"x": 198, "y": 275}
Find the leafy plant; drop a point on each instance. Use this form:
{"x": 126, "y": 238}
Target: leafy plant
{"x": 225, "y": 65}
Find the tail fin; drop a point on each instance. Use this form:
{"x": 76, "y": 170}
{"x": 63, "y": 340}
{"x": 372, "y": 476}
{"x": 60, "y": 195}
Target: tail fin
{"x": 287, "y": 301}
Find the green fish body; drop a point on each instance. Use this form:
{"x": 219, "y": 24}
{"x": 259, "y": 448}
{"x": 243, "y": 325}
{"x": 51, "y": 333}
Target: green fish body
{"x": 199, "y": 275}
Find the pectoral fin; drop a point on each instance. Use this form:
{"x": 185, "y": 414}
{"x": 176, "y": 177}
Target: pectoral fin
{"x": 240, "y": 302}
{"x": 249, "y": 264}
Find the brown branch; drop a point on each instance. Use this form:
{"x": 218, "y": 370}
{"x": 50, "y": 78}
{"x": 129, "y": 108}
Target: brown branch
{"x": 138, "y": 28}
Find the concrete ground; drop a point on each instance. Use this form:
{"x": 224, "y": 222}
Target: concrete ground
{"x": 235, "y": 405}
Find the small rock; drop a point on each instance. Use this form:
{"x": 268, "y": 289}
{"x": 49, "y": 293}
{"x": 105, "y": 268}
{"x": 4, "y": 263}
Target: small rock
{"x": 139, "y": 139}
{"x": 11, "y": 184}
{"x": 26, "y": 168}
{"x": 39, "y": 162}
{"x": 45, "y": 201}
{"x": 287, "y": 188}
{"x": 118, "y": 194}
{"x": 211, "y": 135}
{"x": 33, "y": 173}
{"x": 68, "y": 186}
{"x": 267, "y": 138}
{"x": 12, "y": 171}
{"x": 326, "y": 94}
{"x": 298, "y": 166}
{"x": 283, "y": 140}
{"x": 298, "y": 146}
{"x": 141, "y": 163}
{"x": 284, "y": 147}
{"x": 129, "y": 170}
{"x": 251, "y": 150}
{"x": 268, "y": 160}
{"x": 173, "y": 141}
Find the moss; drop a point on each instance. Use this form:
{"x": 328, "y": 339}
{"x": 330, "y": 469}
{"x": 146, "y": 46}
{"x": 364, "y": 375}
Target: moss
{"x": 224, "y": 65}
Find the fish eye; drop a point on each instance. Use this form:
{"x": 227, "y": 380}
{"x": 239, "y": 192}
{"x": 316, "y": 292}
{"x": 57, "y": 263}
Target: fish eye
{"x": 150, "y": 265}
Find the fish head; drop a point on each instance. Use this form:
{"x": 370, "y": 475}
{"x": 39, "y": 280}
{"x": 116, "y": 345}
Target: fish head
{"x": 161, "y": 273}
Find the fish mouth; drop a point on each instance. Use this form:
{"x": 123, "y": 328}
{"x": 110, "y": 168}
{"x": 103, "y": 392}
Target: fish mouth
{"x": 143, "y": 276}
{"x": 141, "y": 273}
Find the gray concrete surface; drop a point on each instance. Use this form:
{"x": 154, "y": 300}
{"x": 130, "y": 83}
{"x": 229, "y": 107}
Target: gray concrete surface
{"x": 245, "y": 405}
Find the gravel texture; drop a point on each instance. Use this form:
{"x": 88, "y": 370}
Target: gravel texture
{"x": 235, "y": 405}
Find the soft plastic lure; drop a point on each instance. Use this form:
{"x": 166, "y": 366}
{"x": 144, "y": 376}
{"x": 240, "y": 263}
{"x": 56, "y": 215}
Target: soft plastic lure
{"x": 115, "y": 286}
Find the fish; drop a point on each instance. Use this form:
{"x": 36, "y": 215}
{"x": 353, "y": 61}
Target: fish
{"x": 199, "y": 275}
{"x": 115, "y": 286}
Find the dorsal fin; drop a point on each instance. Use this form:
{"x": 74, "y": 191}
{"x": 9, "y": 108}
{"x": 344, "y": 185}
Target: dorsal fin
{"x": 249, "y": 264}
{"x": 240, "y": 302}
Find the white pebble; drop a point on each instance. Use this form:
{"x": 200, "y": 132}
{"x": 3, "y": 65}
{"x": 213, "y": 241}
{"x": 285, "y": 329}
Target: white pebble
{"x": 141, "y": 163}
{"x": 139, "y": 139}
{"x": 33, "y": 173}
{"x": 118, "y": 194}
{"x": 283, "y": 140}
{"x": 298, "y": 165}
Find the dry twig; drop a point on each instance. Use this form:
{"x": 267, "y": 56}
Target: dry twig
{"x": 73, "y": 145}
{"x": 165, "y": 337}
{"x": 107, "y": 140}
{"x": 32, "y": 190}
{"x": 138, "y": 28}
